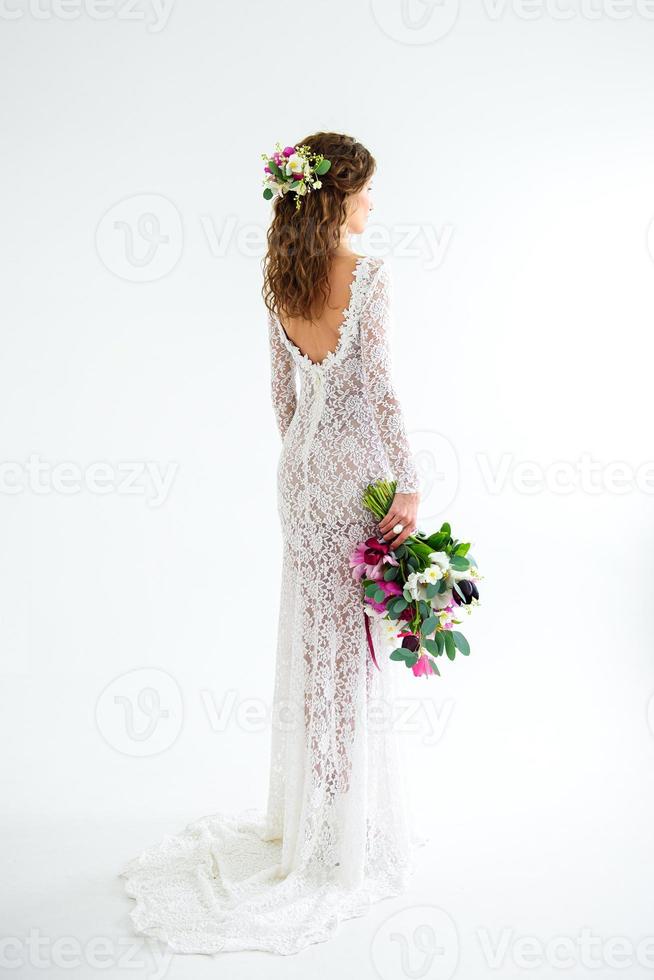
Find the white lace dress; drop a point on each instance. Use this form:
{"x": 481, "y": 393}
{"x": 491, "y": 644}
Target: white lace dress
{"x": 336, "y": 834}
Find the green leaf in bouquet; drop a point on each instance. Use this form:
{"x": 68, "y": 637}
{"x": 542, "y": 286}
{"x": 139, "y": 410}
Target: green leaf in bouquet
{"x": 413, "y": 562}
{"x": 420, "y": 549}
{"x": 432, "y": 589}
{"x": 442, "y": 586}
{"x": 446, "y": 529}
{"x": 432, "y": 646}
{"x": 379, "y": 595}
{"x": 450, "y": 648}
{"x": 428, "y": 625}
{"x": 434, "y": 667}
{"x": 397, "y": 606}
{"x": 275, "y": 169}
{"x": 462, "y": 549}
{"x": 424, "y": 609}
{"x": 400, "y": 552}
{"x": 323, "y": 167}
{"x": 409, "y": 657}
{"x": 437, "y": 541}
{"x": 391, "y": 573}
{"x": 460, "y": 642}
{"x": 440, "y": 642}
{"x": 267, "y": 193}
{"x": 459, "y": 563}
{"x": 371, "y": 588}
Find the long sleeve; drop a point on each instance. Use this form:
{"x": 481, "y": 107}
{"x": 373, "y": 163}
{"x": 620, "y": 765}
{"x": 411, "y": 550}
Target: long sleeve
{"x": 376, "y": 323}
{"x": 282, "y": 378}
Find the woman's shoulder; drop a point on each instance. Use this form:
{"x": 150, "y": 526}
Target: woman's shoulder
{"x": 378, "y": 271}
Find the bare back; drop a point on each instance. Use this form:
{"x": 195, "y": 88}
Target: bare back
{"x": 319, "y": 338}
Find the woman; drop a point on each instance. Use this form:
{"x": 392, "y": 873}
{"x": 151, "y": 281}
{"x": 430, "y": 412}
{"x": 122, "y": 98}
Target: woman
{"x": 335, "y": 836}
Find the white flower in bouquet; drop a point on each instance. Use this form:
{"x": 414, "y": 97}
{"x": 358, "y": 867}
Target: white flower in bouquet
{"x": 431, "y": 575}
{"x": 440, "y": 558}
{"x": 415, "y": 586}
{"x": 388, "y": 630}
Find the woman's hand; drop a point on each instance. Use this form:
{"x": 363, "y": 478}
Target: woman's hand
{"x": 404, "y": 510}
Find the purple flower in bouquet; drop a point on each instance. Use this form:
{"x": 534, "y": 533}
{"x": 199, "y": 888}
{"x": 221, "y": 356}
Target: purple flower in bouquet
{"x": 369, "y": 557}
{"x": 389, "y": 589}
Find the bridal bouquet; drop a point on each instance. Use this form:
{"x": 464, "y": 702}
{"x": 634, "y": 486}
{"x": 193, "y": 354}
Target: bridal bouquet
{"x": 420, "y": 590}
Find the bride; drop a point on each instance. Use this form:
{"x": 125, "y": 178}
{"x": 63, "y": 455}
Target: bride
{"x": 335, "y": 835}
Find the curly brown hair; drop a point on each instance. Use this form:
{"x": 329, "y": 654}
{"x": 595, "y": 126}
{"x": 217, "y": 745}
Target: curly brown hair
{"x": 301, "y": 242}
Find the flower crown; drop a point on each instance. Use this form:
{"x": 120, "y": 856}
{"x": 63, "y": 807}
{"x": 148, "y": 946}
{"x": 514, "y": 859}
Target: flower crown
{"x": 295, "y": 170}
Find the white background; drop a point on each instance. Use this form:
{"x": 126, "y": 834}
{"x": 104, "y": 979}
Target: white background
{"x": 513, "y": 199}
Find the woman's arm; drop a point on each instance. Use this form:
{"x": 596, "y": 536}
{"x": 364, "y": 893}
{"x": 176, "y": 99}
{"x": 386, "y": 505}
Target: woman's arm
{"x": 282, "y": 378}
{"x": 376, "y": 322}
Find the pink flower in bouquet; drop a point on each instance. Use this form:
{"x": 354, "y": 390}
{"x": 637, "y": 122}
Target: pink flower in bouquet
{"x": 289, "y": 151}
{"x": 389, "y": 588}
{"x": 369, "y": 557}
{"x": 422, "y": 667}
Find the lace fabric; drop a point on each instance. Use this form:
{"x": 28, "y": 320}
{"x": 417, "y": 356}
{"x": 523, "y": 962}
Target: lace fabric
{"x": 336, "y": 834}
